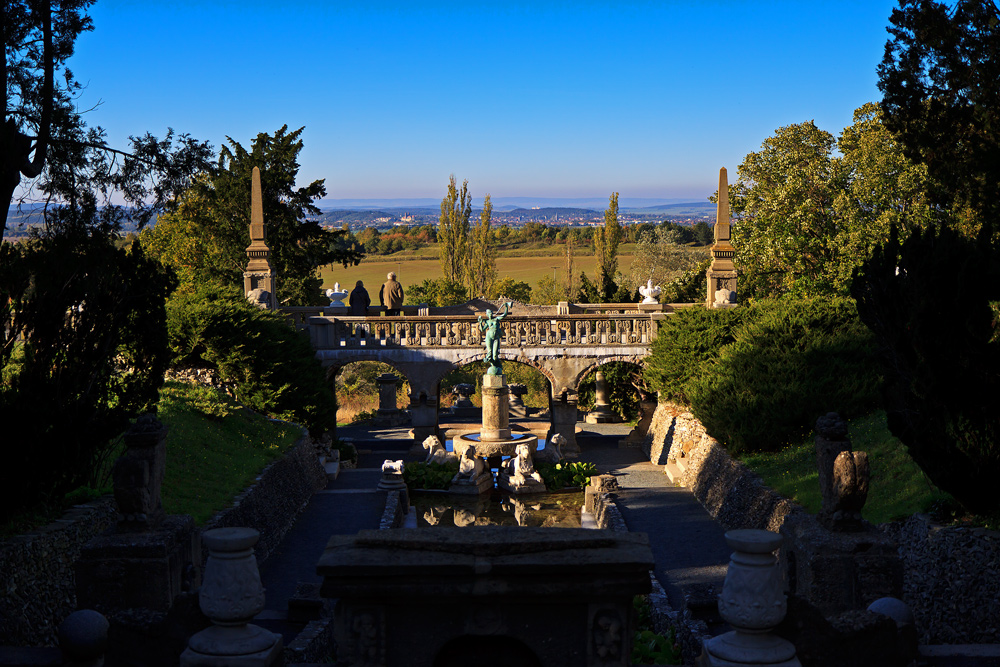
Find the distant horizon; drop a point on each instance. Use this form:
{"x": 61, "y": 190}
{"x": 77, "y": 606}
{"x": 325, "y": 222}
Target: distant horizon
{"x": 593, "y": 203}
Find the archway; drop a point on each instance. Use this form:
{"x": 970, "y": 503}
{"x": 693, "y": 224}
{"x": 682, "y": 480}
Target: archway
{"x": 626, "y": 388}
{"x": 356, "y": 387}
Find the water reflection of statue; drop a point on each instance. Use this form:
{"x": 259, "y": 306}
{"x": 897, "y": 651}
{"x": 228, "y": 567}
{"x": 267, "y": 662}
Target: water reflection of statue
{"x": 491, "y": 325}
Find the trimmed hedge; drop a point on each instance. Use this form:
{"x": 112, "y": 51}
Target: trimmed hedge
{"x": 758, "y": 376}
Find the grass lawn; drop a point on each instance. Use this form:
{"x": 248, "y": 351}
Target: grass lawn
{"x": 215, "y": 448}
{"x": 898, "y": 487}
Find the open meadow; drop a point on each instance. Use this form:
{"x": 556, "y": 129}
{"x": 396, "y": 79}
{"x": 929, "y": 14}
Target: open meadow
{"x": 412, "y": 271}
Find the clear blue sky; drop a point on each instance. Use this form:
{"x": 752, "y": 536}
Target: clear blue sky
{"x": 544, "y": 99}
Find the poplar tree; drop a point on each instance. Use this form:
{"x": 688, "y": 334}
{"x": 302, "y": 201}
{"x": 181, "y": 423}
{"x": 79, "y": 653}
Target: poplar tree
{"x": 606, "y": 241}
{"x": 481, "y": 270}
{"x": 453, "y": 230}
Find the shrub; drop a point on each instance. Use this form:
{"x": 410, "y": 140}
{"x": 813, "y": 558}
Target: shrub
{"x": 565, "y": 474}
{"x": 420, "y": 475}
{"x": 267, "y": 365}
{"x": 685, "y": 342}
{"x": 83, "y": 349}
{"x": 931, "y": 303}
{"x": 792, "y": 360}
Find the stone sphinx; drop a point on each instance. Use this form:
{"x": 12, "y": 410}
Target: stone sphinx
{"x": 436, "y": 453}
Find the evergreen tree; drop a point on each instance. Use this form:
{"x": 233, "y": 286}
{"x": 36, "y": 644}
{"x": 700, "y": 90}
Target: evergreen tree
{"x": 482, "y": 258}
{"x": 606, "y": 241}
{"x": 453, "y": 231}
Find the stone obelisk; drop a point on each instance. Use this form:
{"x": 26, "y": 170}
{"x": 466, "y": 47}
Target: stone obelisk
{"x": 722, "y": 273}
{"x": 259, "y": 278}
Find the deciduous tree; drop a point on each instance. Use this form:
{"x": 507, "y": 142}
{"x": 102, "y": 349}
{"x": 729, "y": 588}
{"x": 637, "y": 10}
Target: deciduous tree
{"x": 482, "y": 258}
{"x": 453, "y": 230}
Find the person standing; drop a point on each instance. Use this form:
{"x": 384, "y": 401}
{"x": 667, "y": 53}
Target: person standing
{"x": 360, "y": 300}
{"x": 391, "y": 295}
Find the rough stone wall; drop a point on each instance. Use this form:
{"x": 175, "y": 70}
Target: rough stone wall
{"x": 278, "y": 494}
{"x": 951, "y": 580}
{"x": 731, "y": 493}
{"x": 37, "y": 584}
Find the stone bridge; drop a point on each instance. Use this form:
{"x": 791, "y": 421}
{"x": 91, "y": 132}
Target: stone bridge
{"x": 563, "y": 342}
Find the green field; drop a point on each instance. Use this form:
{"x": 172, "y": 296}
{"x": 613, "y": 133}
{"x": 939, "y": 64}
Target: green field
{"x": 412, "y": 271}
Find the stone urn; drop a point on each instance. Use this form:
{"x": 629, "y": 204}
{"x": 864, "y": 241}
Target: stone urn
{"x": 753, "y": 603}
{"x": 336, "y": 296}
{"x": 649, "y": 292}
{"x": 231, "y": 595}
{"x": 464, "y": 391}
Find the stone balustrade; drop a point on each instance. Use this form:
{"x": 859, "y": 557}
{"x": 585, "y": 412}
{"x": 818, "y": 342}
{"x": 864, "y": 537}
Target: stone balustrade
{"x": 627, "y": 329}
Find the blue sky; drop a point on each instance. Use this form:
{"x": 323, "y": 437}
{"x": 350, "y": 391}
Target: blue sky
{"x": 541, "y": 99}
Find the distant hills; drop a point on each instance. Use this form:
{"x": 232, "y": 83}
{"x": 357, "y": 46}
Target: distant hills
{"x": 426, "y": 205}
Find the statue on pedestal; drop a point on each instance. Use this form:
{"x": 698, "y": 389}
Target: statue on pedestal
{"x": 491, "y": 326}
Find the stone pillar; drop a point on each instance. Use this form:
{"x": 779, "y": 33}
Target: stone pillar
{"x": 753, "y": 603}
{"x": 423, "y": 418}
{"x": 602, "y": 413}
{"x": 387, "y": 414}
{"x": 721, "y": 275}
{"x": 563, "y": 410}
{"x": 515, "y": 404}
{"x": 496, "y": 420}
{"x": 138, "y": 475}
{"x": 231, "y": 596}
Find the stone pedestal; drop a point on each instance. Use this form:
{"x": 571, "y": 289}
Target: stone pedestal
{"x": 602, "y": 413}
{"x": 485, "y": 595}
{"x": 839, "y": 571}
{"x": 138, "y": 475}
{"x": 423, "y": 419}
{"x": 231, "y": 596}
{"x": 564, "y": 414}
{"x": 139, "y": 570}
{"x": 388, "y": 414}
{"x": 753, "y": 603}
{"x": 515, "y": 404}
{"x": 496, "y": 421}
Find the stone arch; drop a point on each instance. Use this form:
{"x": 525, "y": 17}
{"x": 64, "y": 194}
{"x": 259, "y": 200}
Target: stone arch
{"x": 506, "y": 355}
{"x": 600, "y": 361}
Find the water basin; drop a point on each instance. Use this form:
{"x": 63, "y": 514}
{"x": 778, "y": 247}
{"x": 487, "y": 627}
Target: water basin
{"x": 559, "y": 509}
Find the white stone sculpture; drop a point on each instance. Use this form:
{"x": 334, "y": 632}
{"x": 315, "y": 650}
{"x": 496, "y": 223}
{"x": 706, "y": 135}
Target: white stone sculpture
{"x": 649, "y": 292}
{"x": 392, "y": 466}
{"x": 336, "y": 296}
{"x": 436, "y": 453}
{"x": 470, "y": 468}
{"x": 392, "y": 475}
{"x": 724, "y": 296}
{"x": 552, "y": 453}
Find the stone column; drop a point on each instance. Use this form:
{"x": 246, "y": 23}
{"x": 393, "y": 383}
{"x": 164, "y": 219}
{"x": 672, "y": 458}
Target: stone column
{"x": 138, "y": 475}
{"x": 388, "y": 413}
{"x": 602, "y": 413}
{"x": 231, "y": 596}
{"x": 515, "y": 404}
{"x": 753, "y": 603}
{"x": 423, "y": 418}
{"x": 496, "y": 420}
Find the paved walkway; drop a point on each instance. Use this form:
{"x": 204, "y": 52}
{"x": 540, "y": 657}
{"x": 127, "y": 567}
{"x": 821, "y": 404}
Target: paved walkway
{"x": 688, "y": 545}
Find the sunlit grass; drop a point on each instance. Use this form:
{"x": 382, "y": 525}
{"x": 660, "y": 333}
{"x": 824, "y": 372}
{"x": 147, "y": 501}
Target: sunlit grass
{"x": 898, "y": 487}
{"x": 210, "y": 459}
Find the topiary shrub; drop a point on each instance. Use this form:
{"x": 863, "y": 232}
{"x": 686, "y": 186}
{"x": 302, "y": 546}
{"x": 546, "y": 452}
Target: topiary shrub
{"x": 266, "y": 364}
{"x": 684, "y": 342}
{"x": 791, "y": 360}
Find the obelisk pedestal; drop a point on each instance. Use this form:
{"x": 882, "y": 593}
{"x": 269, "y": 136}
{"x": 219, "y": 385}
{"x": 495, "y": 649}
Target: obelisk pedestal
{"x": 721, "y": 274}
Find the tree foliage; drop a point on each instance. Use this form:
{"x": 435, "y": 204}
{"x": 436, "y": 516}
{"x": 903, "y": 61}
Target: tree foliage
{"x": 606, "y": 241}
{"x": 940, "y": 77}
{"x": 806, "y": 217}
{"x": 206, "y": 236}
{"x": 453, "y": 230}
{"x": 660, "y": 257}
{"x": 83, "y": 351}
{"x": 481, "y": 270}
{"x": 48, "y": 154}
{"x": 931, "y": 302}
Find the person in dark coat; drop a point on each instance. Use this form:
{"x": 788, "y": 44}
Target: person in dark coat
{"x": 391, "y": 295}
{"x": 360, "y": 300}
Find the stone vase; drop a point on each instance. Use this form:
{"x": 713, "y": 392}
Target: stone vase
{"x": 231, "y": 596}
{"x": 753, "y": 602}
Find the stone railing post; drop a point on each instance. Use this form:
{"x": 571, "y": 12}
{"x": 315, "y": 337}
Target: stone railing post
{"x": 753, "y": 602}
{"x": 231, "y": 596}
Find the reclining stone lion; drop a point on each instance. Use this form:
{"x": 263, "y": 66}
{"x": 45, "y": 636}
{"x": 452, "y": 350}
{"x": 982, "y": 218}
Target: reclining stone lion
{"x": 436, "y": 453}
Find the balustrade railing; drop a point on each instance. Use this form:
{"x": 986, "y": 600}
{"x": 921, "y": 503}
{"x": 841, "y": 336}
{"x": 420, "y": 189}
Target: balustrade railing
{"x": 335, "y": 332}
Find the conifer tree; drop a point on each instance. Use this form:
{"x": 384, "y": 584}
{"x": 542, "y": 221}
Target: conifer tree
{"x": 453, "y": 230}
{"x": 606, "y": 241}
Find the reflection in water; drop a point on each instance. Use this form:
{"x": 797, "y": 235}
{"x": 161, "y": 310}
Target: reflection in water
{"x": 560, "y": 509}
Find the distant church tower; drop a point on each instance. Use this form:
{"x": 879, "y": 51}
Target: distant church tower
{"x": 259, "y": 278}
{"x": 722, "y": 273}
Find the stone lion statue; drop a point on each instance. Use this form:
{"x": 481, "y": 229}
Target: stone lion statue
{"x": 520, "y": 466}
{"x": 392, "y": 467}
{"x": 553, "y": 450}
{"x": 470, "y": 467}
{"x": 436, "y": 453}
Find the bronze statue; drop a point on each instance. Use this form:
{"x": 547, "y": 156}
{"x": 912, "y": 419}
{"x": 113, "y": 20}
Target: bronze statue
{"x": 491, "y": 340}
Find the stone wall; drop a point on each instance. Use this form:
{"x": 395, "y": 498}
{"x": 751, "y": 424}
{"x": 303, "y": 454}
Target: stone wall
{"x": 951, "y": 580}
{"x": 37, "y": 586}
{"x": 277, "y": 495}
{"x": 731, "y": 493}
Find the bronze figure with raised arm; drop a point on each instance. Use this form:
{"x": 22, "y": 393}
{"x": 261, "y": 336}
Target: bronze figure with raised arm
{"x": 491, "y": 326}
